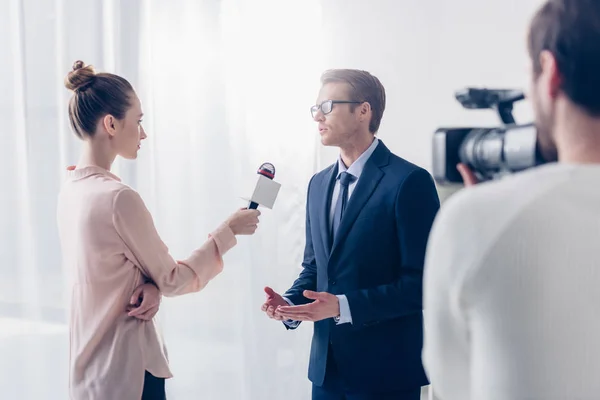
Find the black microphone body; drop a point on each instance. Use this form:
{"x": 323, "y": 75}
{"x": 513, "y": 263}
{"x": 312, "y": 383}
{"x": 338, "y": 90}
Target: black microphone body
{"x": 267, "y": 170}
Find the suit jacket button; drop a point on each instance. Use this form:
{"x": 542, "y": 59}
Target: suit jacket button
{"x": 332, "y": 283}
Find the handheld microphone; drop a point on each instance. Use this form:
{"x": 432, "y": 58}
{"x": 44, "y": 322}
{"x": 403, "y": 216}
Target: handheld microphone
{"x": 266, "y": 189}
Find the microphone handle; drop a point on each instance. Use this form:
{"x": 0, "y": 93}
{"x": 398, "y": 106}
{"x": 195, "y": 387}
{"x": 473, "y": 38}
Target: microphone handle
{"x": 253, "y": 206}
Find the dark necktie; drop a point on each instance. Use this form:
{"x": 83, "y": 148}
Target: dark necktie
{"x": 345, "y": 180}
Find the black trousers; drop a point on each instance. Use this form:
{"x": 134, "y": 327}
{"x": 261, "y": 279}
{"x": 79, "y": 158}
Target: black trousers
{"x": 154, "y": 388}
{"x": 333, "y": 388}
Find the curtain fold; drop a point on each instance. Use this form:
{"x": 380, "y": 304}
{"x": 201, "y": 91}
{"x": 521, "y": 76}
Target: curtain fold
{"x": 225, "y": 86}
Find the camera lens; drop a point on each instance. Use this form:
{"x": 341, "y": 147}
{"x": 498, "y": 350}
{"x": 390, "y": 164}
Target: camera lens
{"x": 490, "y": 151}
{"x": 482, "y": 150}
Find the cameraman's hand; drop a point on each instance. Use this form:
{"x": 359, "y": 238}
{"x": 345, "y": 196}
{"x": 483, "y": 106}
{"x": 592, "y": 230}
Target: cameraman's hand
{"x": 468, "y": 176}
{"x": 243, "y": 222}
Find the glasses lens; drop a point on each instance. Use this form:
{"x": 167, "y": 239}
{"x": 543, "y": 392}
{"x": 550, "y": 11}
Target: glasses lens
{"x": 326, "y": 106}
{"x": 314, "y": 110}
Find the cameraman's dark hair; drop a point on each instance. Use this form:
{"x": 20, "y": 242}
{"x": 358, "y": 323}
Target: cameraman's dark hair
{"x": 363, "y": 87}
{"x": 95, "y": 96}
{"x": 570, "y": 30}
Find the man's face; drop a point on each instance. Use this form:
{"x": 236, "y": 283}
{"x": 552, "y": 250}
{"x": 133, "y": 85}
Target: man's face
{"x": 542, "y": 92}
{"x": 341, "y": 125}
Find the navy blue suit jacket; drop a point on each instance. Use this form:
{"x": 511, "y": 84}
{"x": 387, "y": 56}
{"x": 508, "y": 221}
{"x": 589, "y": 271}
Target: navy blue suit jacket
{"x": 377, "y": 262}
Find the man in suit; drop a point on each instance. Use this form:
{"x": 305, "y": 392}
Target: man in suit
{"x": 368, "y": 218}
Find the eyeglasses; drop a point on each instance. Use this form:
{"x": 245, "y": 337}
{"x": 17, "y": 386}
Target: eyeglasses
{"x": 327, "y": 106}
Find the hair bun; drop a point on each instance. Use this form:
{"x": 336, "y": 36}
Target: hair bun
{"x": 78, "y": 65}
{"x": 81, "y": 77}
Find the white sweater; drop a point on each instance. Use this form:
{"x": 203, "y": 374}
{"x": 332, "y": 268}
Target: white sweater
{"x": 512, "y": 289}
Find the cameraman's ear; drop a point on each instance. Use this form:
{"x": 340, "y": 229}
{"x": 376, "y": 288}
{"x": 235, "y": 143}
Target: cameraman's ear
{"x": 550, "y": 74}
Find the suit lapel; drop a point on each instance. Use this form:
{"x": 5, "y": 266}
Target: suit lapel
{"x": 369, "y": 179}
{"x": 327, "y": 186}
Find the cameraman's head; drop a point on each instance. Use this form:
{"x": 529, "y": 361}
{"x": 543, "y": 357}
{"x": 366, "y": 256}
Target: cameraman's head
{"x": 564, "y": 46}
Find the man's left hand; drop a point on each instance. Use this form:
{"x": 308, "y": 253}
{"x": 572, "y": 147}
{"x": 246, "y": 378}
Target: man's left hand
{"x": 325, "y": 305}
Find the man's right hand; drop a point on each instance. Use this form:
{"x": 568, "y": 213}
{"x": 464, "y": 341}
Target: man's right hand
{"x": 273, "y": 301}
{"x": 244, "y": 221}
{"x": 468, "y": 176}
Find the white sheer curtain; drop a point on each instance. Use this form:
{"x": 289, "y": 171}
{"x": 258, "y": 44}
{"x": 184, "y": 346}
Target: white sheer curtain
{"x": 225, "y": 86}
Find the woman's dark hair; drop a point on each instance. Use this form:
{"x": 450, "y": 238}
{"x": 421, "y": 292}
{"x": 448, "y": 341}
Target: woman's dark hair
{"x": 95, "y": 96}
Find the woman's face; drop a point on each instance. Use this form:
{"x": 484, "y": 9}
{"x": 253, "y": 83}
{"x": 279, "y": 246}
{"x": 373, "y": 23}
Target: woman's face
{"x": 129, "y": 133}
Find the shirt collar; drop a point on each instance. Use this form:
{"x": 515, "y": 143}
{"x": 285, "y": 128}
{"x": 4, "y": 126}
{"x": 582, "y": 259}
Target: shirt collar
{"x": 84, "y": 172}
{"x": 357, "y": 166}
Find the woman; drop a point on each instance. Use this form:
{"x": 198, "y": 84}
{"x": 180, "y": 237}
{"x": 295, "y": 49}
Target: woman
{"x": 111, "y": 246}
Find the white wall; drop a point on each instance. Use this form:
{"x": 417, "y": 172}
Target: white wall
{"x": 423, "y": 51}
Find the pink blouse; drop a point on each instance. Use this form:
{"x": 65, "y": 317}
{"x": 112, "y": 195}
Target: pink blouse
{"x": 109, "y": 246}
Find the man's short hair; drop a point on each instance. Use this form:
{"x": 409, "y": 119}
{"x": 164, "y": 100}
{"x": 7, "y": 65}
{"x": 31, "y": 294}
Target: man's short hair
{"x": 570, "y": 30}
{"x": 364, "y": 87}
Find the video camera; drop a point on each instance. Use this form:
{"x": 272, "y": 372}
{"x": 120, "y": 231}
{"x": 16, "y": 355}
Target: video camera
{"x": 490, "y": 152}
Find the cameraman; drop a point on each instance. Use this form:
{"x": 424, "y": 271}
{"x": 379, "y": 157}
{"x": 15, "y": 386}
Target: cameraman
{"x": 512, "y": 275}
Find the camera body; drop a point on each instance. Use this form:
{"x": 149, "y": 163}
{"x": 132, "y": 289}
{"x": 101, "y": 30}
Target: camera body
{"x": 490, "y": 152}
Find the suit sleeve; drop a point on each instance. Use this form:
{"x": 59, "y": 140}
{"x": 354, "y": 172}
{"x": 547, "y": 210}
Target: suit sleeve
{"x": 416, "y": 206}
{"x": 146, "y": 250}
{"x": 307, "y": 280}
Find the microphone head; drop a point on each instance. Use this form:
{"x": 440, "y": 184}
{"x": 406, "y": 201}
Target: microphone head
{"x": 267, "y": 170}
